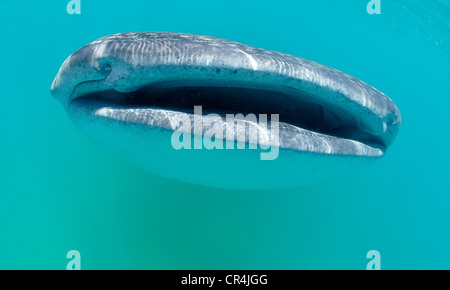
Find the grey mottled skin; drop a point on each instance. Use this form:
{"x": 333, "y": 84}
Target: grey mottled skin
{"x": 127, "y": 61}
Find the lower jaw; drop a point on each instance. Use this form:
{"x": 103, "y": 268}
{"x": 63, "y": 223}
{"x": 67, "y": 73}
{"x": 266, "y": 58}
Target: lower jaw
{"x": 247, "y": 131}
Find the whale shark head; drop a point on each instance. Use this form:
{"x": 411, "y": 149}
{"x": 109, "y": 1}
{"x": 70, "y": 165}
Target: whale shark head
{"x": 133, "y": 92}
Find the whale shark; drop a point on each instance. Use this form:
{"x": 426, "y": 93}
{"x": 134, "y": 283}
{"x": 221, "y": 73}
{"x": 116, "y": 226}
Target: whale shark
{"x": 131, "y": 91}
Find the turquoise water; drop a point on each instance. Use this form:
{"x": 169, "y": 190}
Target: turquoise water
{"x": 60, "y": 191}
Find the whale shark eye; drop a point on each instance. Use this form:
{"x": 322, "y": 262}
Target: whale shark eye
{"x": 104, "y": 66}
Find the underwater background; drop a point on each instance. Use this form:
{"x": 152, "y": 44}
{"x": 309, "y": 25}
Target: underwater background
{"x": 59, "y": 191}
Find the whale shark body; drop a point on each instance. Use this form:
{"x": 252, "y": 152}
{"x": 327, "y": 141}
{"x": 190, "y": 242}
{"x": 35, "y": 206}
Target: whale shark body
{"x": 129, "y": 91}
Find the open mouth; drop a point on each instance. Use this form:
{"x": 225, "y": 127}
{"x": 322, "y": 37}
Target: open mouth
{"x": 304, "y": 125}
{"x": 154, "y": 79}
